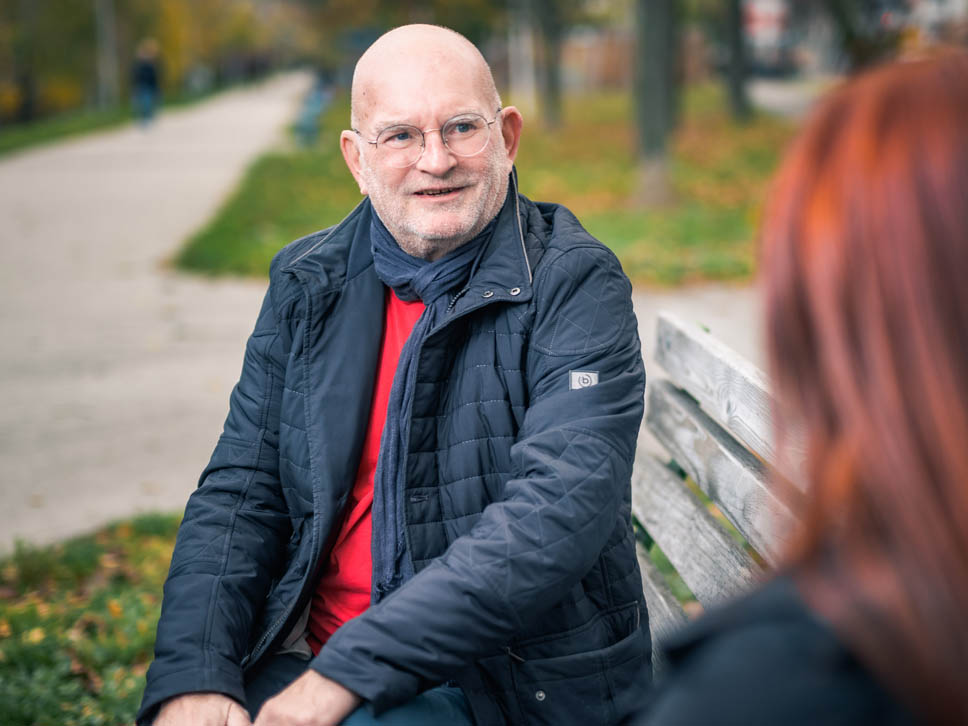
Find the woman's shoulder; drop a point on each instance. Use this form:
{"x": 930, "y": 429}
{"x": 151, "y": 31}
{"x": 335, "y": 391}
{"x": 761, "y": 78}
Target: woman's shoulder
{"x": 766, "y": 659}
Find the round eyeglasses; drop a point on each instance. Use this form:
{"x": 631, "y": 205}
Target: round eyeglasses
{"x": 402, "y": 145}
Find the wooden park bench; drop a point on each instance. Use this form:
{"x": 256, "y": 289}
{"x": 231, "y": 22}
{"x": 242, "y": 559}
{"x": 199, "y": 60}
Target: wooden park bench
{"x": 712, "y": 417}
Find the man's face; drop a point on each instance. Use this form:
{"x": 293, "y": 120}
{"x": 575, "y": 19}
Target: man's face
{"x": 443, "y": 200}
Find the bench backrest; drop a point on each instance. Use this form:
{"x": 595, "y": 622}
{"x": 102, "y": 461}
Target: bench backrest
{"x": 712, "y": 418}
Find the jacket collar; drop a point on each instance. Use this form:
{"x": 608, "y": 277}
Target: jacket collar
{"x": 503, "y": 273}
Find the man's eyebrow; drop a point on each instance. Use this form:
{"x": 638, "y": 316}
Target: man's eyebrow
{"x": 387, "y": 123}
{"x": 384, "y": 123}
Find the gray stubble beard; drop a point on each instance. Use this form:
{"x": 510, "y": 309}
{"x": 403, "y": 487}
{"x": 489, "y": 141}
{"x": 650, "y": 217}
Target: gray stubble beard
{"x": 424, "y": 247}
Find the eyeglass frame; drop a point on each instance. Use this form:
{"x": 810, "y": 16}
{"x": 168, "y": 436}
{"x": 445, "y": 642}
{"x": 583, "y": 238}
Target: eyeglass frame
{"x": 424, "y": 132}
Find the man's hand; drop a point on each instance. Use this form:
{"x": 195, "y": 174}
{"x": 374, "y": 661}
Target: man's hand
{"x": 310, "y": 700}
{"x": 202, "y": 709}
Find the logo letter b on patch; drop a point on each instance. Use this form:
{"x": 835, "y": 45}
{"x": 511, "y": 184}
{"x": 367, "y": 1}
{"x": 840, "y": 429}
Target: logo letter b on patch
{"x": 582, "y": 379}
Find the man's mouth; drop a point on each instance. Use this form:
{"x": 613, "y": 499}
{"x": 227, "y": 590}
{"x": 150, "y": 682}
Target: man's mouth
{"x": 438, "y": 192}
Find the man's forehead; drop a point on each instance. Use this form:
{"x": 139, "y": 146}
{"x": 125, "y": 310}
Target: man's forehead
{"x": 421, "y": 99}
{"x": 381, "y": 118}
{"x": 418, "y": 74}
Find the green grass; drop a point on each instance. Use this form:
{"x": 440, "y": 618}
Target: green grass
{"x": 77, "y": 624}
{"x": 284, "y": 195}
{"x": 17, "y": 137}
{"x": 674, "y": 580}
{"x": 719, "y": 174}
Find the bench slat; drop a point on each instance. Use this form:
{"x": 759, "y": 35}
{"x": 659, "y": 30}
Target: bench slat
{"x": 665, "y": 613}
{"x": 724, "y": 470}
{"x": 708, "y": 559}
{"x": 733, "y": 391}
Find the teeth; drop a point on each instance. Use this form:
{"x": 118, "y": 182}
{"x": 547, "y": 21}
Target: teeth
{"x": 437, "y": 192}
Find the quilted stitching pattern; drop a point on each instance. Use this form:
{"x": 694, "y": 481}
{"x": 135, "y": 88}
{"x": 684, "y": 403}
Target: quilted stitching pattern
{"x": 591, "y": 320}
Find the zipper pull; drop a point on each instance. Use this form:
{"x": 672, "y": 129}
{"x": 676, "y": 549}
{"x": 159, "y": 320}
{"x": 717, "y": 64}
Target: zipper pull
{"x": 453, "y": 300}
{"x": 513, "y": 655}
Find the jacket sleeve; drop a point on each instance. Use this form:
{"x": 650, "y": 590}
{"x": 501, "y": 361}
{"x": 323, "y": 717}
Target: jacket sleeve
{"x": 230, "y": 541}
{"x": 572, "y": 464}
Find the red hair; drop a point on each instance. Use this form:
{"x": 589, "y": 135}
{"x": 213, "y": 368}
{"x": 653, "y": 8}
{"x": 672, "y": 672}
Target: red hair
{"x": 865, "y": 260}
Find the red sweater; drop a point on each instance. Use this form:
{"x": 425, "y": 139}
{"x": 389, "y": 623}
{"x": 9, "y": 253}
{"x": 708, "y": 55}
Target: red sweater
{"x": 343, "y": 591}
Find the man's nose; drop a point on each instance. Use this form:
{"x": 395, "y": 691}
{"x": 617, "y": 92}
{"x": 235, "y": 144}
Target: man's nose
{"x": 436, "y": 157}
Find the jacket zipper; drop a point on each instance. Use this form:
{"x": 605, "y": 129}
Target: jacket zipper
{"x": 273, "y": 630}
{"x": 453, "y": 301}
{"x": 517, "y": 218}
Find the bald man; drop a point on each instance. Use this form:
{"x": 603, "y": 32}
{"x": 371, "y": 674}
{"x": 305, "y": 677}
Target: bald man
{"x": 418, "y": 511}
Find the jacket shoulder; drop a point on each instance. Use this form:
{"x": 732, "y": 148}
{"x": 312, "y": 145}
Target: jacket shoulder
{"x": 582, "y": 300}
{"x": 561, "y": 234}
{"x": 284, "y": 290}
{"x": 297, "y": 249}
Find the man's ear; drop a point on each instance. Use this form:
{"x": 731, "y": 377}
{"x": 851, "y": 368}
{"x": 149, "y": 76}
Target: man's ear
{"x": 349, "y": 144}
{"x": 511, "y": 124}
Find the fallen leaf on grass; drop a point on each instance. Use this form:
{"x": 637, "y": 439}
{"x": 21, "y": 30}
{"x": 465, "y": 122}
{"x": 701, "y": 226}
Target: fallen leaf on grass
{"x": 89, "y": 624}
{"x": 114, "y": 607}
{"x": 92, "y": 680}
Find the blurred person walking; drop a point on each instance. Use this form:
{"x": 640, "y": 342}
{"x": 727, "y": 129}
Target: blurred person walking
{"x": 865, "y": 248}
{"x": 146, "y": 80}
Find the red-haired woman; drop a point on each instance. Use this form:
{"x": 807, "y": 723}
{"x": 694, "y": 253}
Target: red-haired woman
{"x": 865, "y": 264}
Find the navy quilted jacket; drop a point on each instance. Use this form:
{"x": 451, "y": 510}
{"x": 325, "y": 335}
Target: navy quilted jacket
{"x": 527, "y": 590}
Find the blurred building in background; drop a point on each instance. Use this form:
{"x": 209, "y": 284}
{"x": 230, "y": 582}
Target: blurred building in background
{"x": 790, "y": 36}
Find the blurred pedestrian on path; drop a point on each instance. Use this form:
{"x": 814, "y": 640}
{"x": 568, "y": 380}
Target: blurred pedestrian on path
{"x": 146, "y": 80}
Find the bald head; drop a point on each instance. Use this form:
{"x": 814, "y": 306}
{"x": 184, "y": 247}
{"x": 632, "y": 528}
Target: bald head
{"x": 425, "y": 84}
{"x": 417, "y": 49}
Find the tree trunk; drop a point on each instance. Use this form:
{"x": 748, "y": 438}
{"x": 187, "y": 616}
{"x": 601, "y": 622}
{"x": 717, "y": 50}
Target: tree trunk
{"x": 24, "y": 67}
{"x": 655, "y": 96}
{"x": 521, "y": 56}
{"x": 548, "y": 20}
{"x": 863, "y": 46}
{"x": 739, "y": 101}
{"x": 108, "y": 77}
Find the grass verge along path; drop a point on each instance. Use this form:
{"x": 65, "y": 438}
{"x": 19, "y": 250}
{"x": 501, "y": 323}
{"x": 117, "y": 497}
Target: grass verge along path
{"x": 17, "y": 137}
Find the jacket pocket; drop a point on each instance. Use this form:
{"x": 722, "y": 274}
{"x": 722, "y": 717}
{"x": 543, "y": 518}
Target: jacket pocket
{"x": 583, "y": 687}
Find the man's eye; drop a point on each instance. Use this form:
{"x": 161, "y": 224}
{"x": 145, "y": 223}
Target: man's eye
{"x": 463, "y": 127}
{"x": 397, "y": 137}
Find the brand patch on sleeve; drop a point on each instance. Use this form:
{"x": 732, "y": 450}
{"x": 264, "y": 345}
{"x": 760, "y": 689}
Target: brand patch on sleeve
{"x": 582, "y": 379}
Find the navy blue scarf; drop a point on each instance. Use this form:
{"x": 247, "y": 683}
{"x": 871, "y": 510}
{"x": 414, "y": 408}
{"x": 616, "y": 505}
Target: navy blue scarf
{"x": 410, "y": 278}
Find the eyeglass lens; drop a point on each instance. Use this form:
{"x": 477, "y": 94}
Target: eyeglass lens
{"x": 464, "y": 135}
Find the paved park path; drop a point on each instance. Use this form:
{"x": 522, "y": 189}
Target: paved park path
{"x": 115, "y": 370}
